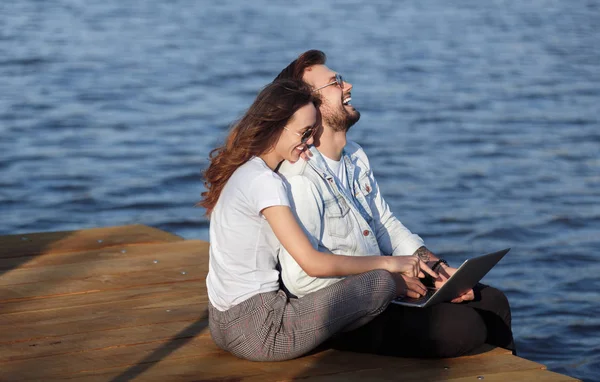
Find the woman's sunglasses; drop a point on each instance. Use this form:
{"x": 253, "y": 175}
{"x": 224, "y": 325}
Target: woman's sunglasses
{"x": 304, "y": 136}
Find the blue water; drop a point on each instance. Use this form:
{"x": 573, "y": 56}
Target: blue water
{"x": 481, "y": 119}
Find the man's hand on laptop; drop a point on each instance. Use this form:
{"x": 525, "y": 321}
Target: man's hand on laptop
{"x": 467, "y": 296}
{"x": 445, "y": 272}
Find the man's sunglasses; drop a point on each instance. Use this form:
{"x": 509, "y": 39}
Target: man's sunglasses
{"x": 338, "y": 80}
{"x": 305, "y": 136}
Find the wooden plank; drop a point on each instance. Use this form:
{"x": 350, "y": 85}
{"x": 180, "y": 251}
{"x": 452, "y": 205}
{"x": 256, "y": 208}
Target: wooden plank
{"x": 492, "y": 375}
{"x": 67, "y": 266}
{"x": 407, "y": 369}
{"x": 126, "y": 357}
{"x": 88, "y": 239}
{"x": 95, "y": 284}
{"x": 87, "y": 255}
{"x": 160, "y": 292}
{"x": 83, "y": 256}
{"x": 71, "y": 343}
{"x": 220, "y": 367}
{"x": 141, "y": 265}
{"x": 117, "y": 356}
{"x": 523, "y": 375}
{"x": 183, "y": 365}
{"x": 332, "y": 362}
{"x": 98, "y": 317}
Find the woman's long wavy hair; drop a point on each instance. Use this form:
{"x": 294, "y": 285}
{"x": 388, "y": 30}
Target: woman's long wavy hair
{"x": 254, "y": 134}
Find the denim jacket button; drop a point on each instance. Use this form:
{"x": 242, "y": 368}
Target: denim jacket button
{"x": 366, "y": 232}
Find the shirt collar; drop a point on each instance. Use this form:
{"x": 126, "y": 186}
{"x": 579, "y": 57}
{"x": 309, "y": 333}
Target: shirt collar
{"x": 317, "y": 162}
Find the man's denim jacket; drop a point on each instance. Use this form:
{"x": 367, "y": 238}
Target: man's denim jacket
{"x": 357, "y": 224}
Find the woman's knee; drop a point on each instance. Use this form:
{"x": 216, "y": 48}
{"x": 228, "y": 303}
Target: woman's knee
{"x": 381, "y": 285}
{"x": 372, "y": 291}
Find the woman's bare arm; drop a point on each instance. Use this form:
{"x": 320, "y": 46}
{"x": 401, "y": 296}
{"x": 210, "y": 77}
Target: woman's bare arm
{"x": 319, "y": 264}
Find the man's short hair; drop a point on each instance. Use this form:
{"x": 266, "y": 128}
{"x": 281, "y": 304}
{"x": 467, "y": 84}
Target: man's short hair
{"x": 295, "y": 70}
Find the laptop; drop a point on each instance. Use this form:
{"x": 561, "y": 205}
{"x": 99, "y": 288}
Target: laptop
{"x": 465, "y": 278}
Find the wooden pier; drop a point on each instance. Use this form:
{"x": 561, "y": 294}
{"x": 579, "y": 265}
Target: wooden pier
{"x": 129, "y": 303}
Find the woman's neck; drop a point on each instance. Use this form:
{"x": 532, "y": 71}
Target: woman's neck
{"x": 271, "y": 159}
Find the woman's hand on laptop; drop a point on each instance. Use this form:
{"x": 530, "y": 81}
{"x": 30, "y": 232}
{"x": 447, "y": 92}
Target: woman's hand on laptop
{"x": 410, "y": 266}
{"x": 407, "y": 286}
{"x": 444, "y": 274}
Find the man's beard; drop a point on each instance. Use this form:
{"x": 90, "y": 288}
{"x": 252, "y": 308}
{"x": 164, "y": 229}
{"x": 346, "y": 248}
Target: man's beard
{"x": 339, "y": 119}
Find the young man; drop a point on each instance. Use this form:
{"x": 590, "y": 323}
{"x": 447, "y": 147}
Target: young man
{"x": 339, "y": 204}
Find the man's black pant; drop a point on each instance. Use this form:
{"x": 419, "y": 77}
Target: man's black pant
{"x": 442, "y": 330}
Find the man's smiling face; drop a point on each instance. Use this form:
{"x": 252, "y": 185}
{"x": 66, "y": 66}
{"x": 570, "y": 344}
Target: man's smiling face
{"x": 336, "y": 110}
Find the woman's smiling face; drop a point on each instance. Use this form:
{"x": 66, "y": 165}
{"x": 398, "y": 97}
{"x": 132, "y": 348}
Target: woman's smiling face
{"x": 289, "y": 145}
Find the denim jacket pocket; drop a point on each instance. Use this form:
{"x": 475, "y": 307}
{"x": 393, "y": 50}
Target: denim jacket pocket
{"x": 364, "y": 183}
{"x": 338, "y": 221}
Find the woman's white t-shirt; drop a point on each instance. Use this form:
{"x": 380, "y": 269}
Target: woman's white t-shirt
{"x": 243, "y": 247}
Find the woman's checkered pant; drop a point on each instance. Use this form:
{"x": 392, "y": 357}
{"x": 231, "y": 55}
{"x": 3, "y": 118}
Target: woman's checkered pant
{"x": 272, "y": 327}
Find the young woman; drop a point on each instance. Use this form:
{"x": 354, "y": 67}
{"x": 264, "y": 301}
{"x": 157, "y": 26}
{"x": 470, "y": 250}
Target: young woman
{"x": 250, "y": 214}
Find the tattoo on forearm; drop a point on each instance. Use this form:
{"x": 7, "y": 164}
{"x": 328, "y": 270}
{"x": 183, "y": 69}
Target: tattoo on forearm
{"x": 424, "y": 254}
